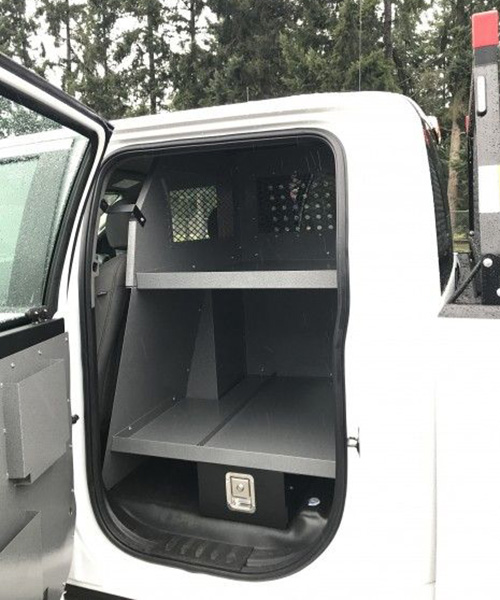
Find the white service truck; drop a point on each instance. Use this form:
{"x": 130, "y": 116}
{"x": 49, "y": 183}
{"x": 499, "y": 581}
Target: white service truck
{"x": 238, "y": 355}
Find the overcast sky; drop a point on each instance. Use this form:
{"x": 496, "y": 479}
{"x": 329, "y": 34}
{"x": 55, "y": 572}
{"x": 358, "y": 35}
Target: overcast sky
{"x": 42, "y": 39}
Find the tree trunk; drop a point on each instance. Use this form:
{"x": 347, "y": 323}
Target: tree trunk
{"x": 454, "y": 156}
{"x": 106, "y": 42}
{"x": 388, "y": 29}
{"x": 68, "y": 76}
{"x": 151, "y": 68}
{"x": 22, "y": 20}
{"x": 191, "y": 69}
{"x": 192, "y": 25}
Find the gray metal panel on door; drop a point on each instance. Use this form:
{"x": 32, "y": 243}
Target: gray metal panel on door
{"x": 37, "y": 433}
{"x": 36, "y": 381}
{"x": 22, "y": 556}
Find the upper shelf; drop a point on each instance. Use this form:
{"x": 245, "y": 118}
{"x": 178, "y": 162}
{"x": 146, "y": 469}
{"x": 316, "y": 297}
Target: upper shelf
{"x": 312, "y": 279}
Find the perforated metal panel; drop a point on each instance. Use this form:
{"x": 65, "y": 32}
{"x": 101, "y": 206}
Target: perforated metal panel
{"x": 297, "y": 203}
{"x": 193, "y": 213}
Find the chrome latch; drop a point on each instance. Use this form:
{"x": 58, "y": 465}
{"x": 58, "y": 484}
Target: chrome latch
{"x": 240, "y": 492}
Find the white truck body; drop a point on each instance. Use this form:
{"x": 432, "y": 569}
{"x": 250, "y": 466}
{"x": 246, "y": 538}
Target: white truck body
{"x": 421, "y": 518}
{"x": 385, "y": 546}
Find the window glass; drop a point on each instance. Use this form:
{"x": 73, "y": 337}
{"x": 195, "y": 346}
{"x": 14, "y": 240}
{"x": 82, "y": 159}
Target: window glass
{"x": 39, "y": 160}
{"x": 442, "y": 213}
{"x": 191, "y": 212}
{"x": 15, "y": 178}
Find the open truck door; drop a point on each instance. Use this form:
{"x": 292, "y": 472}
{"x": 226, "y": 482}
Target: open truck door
{"x": 50, "y": 147}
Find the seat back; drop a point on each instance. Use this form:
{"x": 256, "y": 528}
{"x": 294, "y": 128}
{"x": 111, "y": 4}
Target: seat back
{"x": 110, "y": 315}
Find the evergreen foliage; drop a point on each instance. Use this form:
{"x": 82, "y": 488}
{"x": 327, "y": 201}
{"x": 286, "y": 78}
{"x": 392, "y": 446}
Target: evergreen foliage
{"x": 145, "y": 47}
{"x": 191, "y": 63}
{"x": 62, "y": 17}
{"x": 130, "y": 57}
{"x": 16, "y": 29}
{"x": 248, "y": 61}
{"x": 101, "y": 85}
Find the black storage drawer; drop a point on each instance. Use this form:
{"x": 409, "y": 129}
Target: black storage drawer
{"x": 266, "y": 489}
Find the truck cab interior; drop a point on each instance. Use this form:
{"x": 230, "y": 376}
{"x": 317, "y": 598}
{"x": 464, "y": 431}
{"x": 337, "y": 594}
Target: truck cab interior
{"x": 219, "y": 328}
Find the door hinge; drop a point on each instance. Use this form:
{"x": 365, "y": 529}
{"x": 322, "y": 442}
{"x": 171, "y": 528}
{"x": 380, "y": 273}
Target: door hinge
{"x": 353, "y": 442}
{"x": 74, "y": 419}
{"x": 37, "y": 314}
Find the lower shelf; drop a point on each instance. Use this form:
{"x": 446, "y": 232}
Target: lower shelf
{"x": 274, "y": 423}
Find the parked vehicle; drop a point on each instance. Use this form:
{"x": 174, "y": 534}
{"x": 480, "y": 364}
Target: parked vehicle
{"x": 236, "y": 346}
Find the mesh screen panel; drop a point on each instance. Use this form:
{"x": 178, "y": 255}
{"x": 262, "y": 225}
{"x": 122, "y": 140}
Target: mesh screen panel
{"x": 297, "y": 203}
{"x": 193, "y": 213}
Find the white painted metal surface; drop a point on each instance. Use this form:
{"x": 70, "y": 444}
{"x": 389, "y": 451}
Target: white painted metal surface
{"x": 385, "y": 547}
{"x": 489, "y": 188}
{"x": 468, "y": 459}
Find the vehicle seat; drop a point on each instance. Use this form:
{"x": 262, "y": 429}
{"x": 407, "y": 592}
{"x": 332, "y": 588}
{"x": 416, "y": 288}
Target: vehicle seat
{"x": 111, "y": 306}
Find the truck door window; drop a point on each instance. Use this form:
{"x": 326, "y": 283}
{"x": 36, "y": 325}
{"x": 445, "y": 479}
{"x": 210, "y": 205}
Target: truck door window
{"x": 39, "y": 160}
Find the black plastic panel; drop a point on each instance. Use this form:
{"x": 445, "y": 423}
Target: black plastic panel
{"x": 15, "y": 340}
{"x": 78, "y": 593}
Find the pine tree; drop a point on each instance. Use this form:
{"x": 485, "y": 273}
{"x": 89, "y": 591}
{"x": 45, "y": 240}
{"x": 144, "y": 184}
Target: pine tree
{"x": 410, "y": 49}
{"x": 458, "y": 58}
{"x": 388, "y": 47}
{"x": 449, "y": 60}
{"x": 146, "y": 47}
{"x": 100, "y": 84}
{"x": 192, "y": 64}
{"x": 359, "y": 61}
{"x": 308, "y": 47}
{"x": 63, "y": 18}
{"x": 246, "y": 49}
{"x": 16, "y": 29}
{"x": 346, "y": 42}
{"x": 445, "y": 77}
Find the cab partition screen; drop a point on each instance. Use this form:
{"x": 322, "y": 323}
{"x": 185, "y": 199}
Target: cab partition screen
{"x": 265, "y": 206}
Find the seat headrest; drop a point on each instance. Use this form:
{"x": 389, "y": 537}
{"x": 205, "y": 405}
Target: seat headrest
{"x": 117, "y": 228}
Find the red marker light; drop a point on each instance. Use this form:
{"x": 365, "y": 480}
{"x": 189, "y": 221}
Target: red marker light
{"x": 485, "y": 29}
